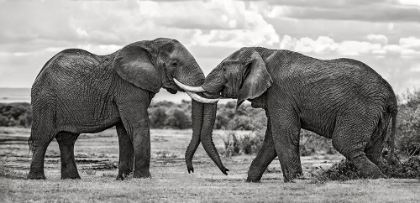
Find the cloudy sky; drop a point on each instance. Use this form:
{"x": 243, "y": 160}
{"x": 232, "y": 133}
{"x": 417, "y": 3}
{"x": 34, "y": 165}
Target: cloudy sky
{"x": 385, "y": 34}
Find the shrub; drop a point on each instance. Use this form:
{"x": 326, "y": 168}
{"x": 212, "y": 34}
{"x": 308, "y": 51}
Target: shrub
{"x": 408, "y": 127}
{"x": 177, "y": 119}
{"x": 157, "y": 117}
{"x": 346, "y": 170}
{"x": 242, "y": 144}
{"x": 15, "y": 114}
{"x": 311, "y": 143}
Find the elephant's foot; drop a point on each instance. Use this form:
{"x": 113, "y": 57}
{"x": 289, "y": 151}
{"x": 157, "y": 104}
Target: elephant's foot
{"x": 124, "y": 170}
{"x": 367, "y": 168}
{"x": 253, "y": 179}
{"x": 72, "y": 175}
{"x": 36, "y": 175}
{"x": 254, "y": 174}
{"x": 142, "y": 174}
{"x": 290, "y": 175}
{"x": 122, "y": 174}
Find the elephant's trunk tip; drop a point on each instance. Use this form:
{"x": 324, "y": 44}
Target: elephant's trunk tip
{"x": 224, "y": 170}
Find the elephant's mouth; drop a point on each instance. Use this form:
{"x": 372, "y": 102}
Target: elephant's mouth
{"x": 172, "y": 91}
{"x": 196, "y": 93}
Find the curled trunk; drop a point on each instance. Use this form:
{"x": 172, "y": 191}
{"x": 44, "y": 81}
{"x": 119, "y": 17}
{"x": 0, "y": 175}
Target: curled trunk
{"x": 197, "y": 122}
{"x": 208, "y": 112}
{"x": 209, "y": 117}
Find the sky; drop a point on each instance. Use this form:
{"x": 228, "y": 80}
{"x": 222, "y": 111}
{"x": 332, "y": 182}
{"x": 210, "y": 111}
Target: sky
{"x": 384, "y": 34}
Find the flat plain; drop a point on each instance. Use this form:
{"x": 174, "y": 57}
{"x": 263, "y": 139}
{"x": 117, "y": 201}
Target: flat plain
{"x": 97, "y": 158}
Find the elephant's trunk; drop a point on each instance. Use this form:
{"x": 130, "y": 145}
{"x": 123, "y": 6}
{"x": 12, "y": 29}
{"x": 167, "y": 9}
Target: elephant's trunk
{"x": 204, "y": 116}
{"x": 197, "y": 122}
{"x": 209, "y": 117}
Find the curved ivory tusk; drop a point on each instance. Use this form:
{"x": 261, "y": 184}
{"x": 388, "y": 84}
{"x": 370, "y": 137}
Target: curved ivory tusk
{"x": 188, "y": 88}
{"x": 200, "y": 99}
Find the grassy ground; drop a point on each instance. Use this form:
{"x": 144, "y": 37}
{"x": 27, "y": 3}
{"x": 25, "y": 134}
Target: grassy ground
{"x": 96, "y": 156}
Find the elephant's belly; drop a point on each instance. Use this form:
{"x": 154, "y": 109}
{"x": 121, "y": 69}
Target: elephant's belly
{"x": 80, "y": 119}
{"x": 321, "y": 124}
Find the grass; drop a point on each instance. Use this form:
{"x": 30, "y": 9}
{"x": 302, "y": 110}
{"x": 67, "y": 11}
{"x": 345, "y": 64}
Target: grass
{"x": 97, "y": 154}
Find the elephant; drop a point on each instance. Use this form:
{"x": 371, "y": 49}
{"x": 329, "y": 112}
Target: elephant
{"x": 80, "y": 92}
{"x": 341, "y": 99}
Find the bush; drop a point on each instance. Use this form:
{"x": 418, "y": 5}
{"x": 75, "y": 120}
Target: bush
{"x": 242, "y": 144}
{"x": 157, "y": 117}
{"x": 177, "y": 119}
{"x": 346, "y": 170}
{"x": 408, "y": 127}
{"x": 311, "y": 143}
{"x": 15, "y": 114}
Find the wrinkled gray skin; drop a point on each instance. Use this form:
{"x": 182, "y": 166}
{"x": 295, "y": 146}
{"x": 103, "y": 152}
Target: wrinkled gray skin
{"x": 79, "y": 92}
{"x": 341, "y": 99}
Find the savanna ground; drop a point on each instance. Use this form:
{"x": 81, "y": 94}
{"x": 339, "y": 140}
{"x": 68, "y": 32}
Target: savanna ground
{"x": 97, "y": 158}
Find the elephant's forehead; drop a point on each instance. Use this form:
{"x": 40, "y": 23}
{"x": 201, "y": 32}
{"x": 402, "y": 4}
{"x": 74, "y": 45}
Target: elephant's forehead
{"x": 180, "y": 51}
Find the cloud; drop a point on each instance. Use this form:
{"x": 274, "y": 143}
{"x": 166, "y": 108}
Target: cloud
{"x": 321, "y": 45}
{"x": 381, "y": 39}
{"x": 398, "y": 63}
{"x": 410, "y": 43}
{"x": 377, "y": 45}
{"x": 247, "y": 28}
{"x": 360, "y": 10}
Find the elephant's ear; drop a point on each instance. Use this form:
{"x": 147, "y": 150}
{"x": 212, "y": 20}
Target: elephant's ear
{"x": 133, "y": 64}
{"x": 256, "y": 80}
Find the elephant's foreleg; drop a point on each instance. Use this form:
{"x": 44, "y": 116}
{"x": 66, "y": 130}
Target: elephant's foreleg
{"x": 264, "y": 157}
{"x": 136, "y": 122}
{"x": 126, "y": 158}
{"x": 285, "y": 125}
{"x": 141, "y": 144}
{"x": 66, "y": 142}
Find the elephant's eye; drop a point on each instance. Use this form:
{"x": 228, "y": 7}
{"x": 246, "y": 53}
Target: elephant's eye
{"x": 174, "y": 64}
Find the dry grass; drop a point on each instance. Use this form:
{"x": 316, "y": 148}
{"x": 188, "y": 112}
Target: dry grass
{"x": 172, "y": 183}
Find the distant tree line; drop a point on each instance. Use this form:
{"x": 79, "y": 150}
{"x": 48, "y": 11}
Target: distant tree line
{"x": 15, "y": 114}
{"x": 162, "y": 115}
{"x": 169, "y": 115}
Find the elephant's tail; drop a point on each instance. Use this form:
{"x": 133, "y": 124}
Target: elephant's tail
{"x": 390, "y": 140}
{"x": 30, "y": 142}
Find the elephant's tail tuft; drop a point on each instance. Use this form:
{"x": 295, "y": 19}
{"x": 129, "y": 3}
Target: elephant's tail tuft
{"x": 30, "y": 143}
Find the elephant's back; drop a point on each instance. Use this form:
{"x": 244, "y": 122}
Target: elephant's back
{"x": 72, "y": 70}
{"x": 75, "y": 82}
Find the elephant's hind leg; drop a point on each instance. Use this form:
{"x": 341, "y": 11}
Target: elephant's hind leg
{"x": 126, "y": 158}
{"x": 265, "y": 156}
{"x": 66, "y": 142}
{"x": 39, "y": 147}
{"x": 351, "y": 140}
{"x": 374, "y": 152}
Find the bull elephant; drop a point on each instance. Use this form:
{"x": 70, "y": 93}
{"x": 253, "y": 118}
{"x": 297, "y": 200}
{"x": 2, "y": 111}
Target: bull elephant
{"x": 79, "y": 92}
{"x": 341, "y": 99}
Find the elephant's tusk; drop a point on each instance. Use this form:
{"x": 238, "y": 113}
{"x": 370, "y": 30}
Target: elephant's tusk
{"x": 200, "y": 99}
{"x": 188, "y": 88}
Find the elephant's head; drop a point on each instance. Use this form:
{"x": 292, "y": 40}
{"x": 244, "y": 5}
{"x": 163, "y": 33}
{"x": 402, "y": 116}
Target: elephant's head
{"x": 158, "y": 63}
{"x": 242, "y": 75}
